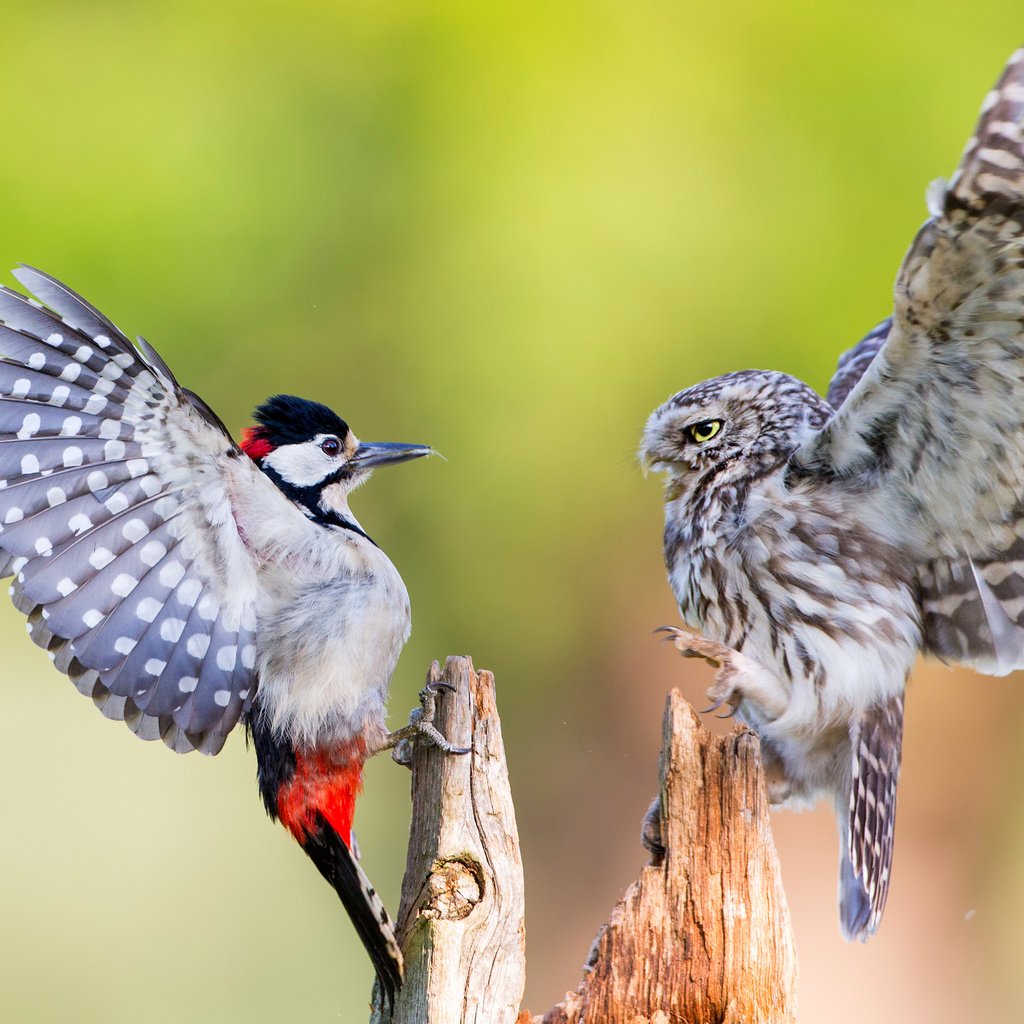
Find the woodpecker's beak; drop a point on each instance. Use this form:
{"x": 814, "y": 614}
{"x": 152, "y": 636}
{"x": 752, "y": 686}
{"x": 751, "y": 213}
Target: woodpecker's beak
{"x": 383, "y": 453}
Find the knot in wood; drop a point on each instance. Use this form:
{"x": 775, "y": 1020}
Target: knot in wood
{"x": 454, "y": 888}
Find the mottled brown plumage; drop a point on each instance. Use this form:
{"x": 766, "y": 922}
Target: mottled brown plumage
{"x": 816, "y": 547}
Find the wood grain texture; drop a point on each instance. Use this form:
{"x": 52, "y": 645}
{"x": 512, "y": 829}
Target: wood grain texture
{"x": 703, "y": 936}
{"x": 460, "y": 922}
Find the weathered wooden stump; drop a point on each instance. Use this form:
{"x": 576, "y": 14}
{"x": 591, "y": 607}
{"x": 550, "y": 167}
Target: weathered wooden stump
{"x": 703, "y": 935}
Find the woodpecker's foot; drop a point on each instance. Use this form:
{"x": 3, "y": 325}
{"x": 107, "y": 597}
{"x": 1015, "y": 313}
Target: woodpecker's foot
{"x": 421, "y": 727}
{"x": 650, "y": 832}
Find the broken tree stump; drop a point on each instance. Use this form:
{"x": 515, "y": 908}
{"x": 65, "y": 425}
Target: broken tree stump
{"x": 460, "y": 922}
{"x": 703, "y": 936}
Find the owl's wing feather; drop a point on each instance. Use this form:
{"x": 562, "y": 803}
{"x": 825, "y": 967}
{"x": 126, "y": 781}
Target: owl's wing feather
{"x": 930, "y": 426}
{"x": 117, "y": 495}
{"x": 854, "y": 362}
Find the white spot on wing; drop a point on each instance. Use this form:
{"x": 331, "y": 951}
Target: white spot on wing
{"x": 101, "y": 557}
{"x": 198, "y": 645}
{"x": 134, "y": 530}
{"x": 148, "y": 609}
{"x": 171, "y": 574}
{"x": 30, "y": 425}
{"x": 221, "y": 698}
{"x": 93, "y": 617}
{"x": 152, "y": 552}
{"x": 73, "y": 456}
{"x": 79, "y": 523}
{"x": 187, "y": 684}
{"x": 29, "y": 464}
{"x": 171, "y": 629}
{"x": 116, "y": 503}
{"x": 226, "y": 658}
{"x": 123, "y": 584}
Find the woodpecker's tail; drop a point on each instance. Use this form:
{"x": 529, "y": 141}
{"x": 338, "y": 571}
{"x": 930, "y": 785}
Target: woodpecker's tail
{"x": 313, "y": 794}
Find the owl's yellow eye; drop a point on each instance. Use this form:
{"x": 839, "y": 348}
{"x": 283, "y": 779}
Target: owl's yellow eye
{"x": 704, "y": 431}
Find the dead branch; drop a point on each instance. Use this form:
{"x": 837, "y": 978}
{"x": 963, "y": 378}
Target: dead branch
{"x": 461, "y": 916}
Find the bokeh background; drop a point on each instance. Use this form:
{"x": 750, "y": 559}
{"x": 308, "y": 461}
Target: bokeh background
{"x": 508, "y": 230}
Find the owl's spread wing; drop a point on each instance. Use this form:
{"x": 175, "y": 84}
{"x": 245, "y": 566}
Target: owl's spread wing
{"x": 854, "y": 362}
{"x": 116, "y": 522}
{"x": 930, "y": 425}
{"x": 972, "y": 609}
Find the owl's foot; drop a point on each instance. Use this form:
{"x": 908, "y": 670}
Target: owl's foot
{"x": 650, "y": 832}
{"x": 739, "y": 678}
{"x": 421, "y": 727}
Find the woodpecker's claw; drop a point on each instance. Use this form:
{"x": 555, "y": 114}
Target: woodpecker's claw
{"x": 421, "y": 726}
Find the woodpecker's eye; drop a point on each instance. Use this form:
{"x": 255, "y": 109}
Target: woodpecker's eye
{"x": 704, "y": 431}
{"x": 330, "y": 446}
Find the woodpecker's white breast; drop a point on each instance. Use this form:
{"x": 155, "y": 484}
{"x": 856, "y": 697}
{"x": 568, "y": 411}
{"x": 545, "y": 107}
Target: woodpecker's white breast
{"x": 328, "y": 645}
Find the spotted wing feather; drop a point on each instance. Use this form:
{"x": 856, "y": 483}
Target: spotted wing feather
{"x": 115, "y": 521}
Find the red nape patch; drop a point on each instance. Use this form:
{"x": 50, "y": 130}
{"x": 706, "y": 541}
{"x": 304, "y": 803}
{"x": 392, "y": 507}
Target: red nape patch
{"x": 255, "y": 443}
{"x": 325, "y": 785}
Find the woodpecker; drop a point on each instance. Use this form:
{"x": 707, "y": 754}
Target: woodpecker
{"x": 816, "y": 546}
{"x": 187, "y": 583}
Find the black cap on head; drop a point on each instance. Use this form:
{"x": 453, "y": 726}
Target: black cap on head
{"x": 285, "y": 419}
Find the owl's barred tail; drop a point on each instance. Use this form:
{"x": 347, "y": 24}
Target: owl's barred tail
{"x": 854, "y": 902}
{"x": 313, "y": 793}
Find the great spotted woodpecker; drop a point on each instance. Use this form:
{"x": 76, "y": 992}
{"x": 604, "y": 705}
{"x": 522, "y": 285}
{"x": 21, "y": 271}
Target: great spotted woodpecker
{"x": 186, "y": 583}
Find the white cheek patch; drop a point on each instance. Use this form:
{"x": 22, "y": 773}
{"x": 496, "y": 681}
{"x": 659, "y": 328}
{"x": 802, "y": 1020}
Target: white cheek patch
{"x": 303, "y": 464}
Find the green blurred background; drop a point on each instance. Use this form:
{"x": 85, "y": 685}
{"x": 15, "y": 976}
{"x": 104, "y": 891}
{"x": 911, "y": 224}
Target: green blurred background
{"x": 508, "y": 230}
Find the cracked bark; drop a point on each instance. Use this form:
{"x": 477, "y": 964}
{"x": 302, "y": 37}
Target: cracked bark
{"x": 703, "y": 935}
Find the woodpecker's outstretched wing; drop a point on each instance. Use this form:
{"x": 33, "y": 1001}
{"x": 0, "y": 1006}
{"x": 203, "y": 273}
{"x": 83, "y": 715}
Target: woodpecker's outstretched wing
{"x": 931, "y": 423}
{"x": 116, "y": 520}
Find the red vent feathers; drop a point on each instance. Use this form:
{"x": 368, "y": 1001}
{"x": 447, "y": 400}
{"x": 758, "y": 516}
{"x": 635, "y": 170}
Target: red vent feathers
{"x": 320, "y": 786}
